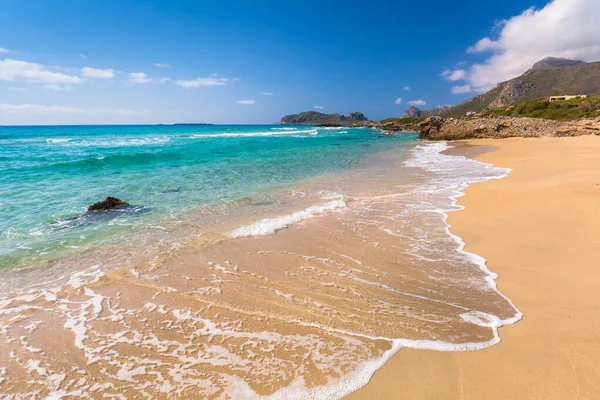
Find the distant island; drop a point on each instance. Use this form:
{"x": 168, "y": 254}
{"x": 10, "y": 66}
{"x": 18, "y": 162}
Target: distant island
{"x": 192, "y": 123}
{"x": 317, "y": 118}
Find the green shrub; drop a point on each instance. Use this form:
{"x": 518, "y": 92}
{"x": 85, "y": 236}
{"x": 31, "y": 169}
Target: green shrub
{"x": 558, "y": 110}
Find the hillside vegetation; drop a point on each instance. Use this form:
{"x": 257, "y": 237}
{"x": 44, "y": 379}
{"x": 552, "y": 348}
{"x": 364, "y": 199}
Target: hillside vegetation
{"x": 402, "y": 121}
{"x": 556, "y": 110}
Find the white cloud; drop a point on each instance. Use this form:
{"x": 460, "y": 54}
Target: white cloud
{"x": 83, "y": 56}
{"x": 265, "y": 93}
{"x": 139, "y": 77}
{"x": 36, "y": 108}
{"x": 483, "y": 45}
{"x": 14, "y": 70}
{"x": 248, "y": 102}
{"x": 407, "y": 88}
{"x": 45, "y": 109}
{"x": 57, "y": 88}
{"x": 18, "y": 89}
{"x": 417, "y": 103}
{"x": 398, "y": 100}
{"x": 456, "y": 75}
{"x": 3, "y": 50}
{"x": 563, "y": 28}
{"x": 165, "y": 80}
{"x": 161, "y": 65}
{"x": 318, "y": 107}
{"x": 462, "y": 89}
{"x": 198, "y": 82}
{"x": 97, "y": 73}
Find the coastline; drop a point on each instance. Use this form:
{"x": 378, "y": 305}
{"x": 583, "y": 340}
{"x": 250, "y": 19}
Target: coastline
{"x": 344, "y": 263}
{"x": 536, "y": 228}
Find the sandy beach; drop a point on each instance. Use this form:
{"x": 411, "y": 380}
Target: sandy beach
{"x": 539, "y": 229}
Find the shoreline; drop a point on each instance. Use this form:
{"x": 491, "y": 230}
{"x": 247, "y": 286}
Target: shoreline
{"x": 548, "y": 267}
{"x": 347, "y": 302}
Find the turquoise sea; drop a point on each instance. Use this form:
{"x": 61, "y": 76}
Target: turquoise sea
{"x": 49, "y": 175}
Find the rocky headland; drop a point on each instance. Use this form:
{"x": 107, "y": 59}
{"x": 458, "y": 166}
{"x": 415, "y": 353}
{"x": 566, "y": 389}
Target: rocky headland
{"x": 438, "y": 128}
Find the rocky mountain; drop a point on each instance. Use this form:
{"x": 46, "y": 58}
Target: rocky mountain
{"x": 434, "y": 111}
{"x": 549, "y": 77}
{"x": 552, "y": 63}
{"x": 412, "y": 112}
{"x": 317, "y": 118}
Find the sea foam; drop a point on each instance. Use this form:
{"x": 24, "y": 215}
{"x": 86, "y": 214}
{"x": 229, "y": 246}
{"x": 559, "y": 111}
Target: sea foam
{"x": 270, "y": 226}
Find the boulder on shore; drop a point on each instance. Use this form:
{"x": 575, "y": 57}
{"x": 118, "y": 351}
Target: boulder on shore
{"x": 110, "y": 203}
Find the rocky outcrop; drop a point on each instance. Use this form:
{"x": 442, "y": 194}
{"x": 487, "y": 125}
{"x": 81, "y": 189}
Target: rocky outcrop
{"x": 437, "y": 128}
{"x": 356, "y": 116}
{"x": 397, "y": 127}
{"x": 110, "y": 203}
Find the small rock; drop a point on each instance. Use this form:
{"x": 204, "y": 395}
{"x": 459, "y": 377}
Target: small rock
{"x": 110, "y": 203}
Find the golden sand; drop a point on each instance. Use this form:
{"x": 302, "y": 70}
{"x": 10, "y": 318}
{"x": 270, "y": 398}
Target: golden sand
{"x": 539, "y": 229}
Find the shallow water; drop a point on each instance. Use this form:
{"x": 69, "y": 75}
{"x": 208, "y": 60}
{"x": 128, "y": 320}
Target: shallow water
{"x": 300, "y": 292}
{"x": 49, "y": 175}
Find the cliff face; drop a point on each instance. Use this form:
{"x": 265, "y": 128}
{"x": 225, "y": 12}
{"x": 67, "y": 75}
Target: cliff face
{"x": 437, "y": 128}
{"x": 317, "y": 118}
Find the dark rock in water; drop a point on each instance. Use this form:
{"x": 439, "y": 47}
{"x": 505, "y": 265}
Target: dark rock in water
{"x": 329, "y": 125}
{"x": 173, "y": 190}
{"x": 110, "y": 203}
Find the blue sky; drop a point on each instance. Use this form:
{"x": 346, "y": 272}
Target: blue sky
{"x": 74, "y": 61}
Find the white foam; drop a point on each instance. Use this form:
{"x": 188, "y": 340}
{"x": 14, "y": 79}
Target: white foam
{"x": 270, "y": 226}
{"x": 122, "y": 142}
{"x": 57, "y": 141}
{"x": 238, "y": 389}
{"x": 429, "y": 156}
{"x": 255, "y": 134}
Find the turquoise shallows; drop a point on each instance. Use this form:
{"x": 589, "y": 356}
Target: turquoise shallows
{"x": 50, "y": 174}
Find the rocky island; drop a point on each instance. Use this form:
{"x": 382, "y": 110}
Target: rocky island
{"x": 317, "y": 118}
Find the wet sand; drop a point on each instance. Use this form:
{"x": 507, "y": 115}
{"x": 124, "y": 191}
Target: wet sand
{"x": 539, "y": 229}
